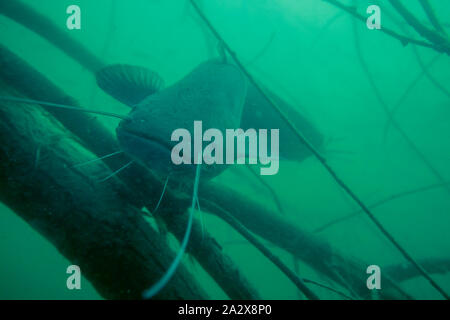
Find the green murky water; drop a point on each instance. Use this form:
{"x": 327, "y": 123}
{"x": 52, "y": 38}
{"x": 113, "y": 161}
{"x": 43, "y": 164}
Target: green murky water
{"x": 307, "y": 53}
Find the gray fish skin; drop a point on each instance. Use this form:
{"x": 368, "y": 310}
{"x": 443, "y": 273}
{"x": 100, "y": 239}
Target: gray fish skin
{"x": 213, "y": 93}
{"x": 259, "y": 114}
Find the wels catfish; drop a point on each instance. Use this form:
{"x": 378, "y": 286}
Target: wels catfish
{"x": 213, "y": 93}
{"x": 257, "y": 113}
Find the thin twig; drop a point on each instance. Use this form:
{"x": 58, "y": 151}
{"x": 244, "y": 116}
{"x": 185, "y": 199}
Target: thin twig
{"x": 263, "y": 51}
{"x": 381, "y": 202}
{"x": 430, "y": 77}
{"x": 424, "y": 72}
{"x": 296, "y": 266}
{"x": 269, "y": 188}
{"x": 299, "y": 283}
{"x": 425, "y": 68}
{"x": 412, "y": 145}
{"x": 328, "y": 288}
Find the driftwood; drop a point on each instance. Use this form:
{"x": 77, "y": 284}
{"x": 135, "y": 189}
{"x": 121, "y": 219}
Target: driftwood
{"x": 350, "y": 273}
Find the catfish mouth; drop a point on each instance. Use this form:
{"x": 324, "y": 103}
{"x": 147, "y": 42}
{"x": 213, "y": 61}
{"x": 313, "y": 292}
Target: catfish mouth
{"x": 148, "y": 138}
{"x": 152, "y": 152}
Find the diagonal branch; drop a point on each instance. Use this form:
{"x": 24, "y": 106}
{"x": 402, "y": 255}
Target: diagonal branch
{"x": 432, "y": 16}
{"x": 253, "y": 240}
{"x": 380, "y": 203}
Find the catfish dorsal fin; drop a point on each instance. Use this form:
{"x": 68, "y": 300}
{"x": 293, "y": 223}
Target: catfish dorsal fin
{"x": 129, "y": 84}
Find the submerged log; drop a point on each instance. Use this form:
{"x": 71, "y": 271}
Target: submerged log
{"x": 89, "y": 222}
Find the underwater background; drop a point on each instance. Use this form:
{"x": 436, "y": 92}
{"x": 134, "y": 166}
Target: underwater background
{"x": 307, "y": 53}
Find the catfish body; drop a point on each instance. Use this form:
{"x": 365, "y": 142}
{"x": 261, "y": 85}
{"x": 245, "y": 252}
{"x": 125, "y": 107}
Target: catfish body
{"x": 213, "y": 93}
{"x": 259, "y": 114}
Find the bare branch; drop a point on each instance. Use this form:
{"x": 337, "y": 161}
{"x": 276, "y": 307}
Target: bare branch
{"x": 432, "y": 16}
{"x": 437, "y": 39}
{"x": 403, "y": 39}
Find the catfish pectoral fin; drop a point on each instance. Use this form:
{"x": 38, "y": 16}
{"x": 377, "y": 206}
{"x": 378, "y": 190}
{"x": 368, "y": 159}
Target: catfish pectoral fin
{"x": 129, "y": 84}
